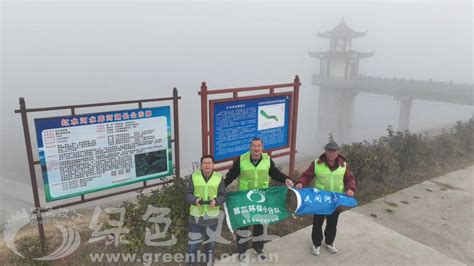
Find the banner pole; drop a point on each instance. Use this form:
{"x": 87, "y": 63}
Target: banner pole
{"x": 227, "y": 219}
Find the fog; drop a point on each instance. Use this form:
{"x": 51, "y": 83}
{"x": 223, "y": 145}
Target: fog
{"x": 62, "y": 53}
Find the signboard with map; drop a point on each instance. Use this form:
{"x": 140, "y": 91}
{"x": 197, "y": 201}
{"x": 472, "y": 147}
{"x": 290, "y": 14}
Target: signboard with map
{"x": 235, "y": 123}
{"x": 86, "y": 153}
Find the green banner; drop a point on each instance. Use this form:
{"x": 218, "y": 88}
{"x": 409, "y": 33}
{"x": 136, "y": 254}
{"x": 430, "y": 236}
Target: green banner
{"x": 256, "y": 206}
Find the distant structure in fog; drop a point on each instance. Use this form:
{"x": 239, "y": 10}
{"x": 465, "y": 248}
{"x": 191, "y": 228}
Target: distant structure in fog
{"x": 340, "y": 63}
{"x": 339, "y": 82}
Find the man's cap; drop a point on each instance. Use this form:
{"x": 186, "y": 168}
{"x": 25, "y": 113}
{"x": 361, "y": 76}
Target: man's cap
{"x": 332, "y": 145}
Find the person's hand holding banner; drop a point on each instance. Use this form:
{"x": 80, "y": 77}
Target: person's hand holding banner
{"x": 350, "y": 193}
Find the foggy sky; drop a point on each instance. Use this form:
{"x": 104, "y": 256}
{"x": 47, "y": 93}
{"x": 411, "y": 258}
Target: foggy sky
{"x": 57, "y": 53}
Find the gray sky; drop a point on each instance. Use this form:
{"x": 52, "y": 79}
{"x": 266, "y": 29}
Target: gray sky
{"x": 58, "y": 53}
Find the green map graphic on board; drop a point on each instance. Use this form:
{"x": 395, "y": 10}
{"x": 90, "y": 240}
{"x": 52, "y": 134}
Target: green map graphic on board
{"x": 267, "y": 116}
{"x": 271, "y": 116}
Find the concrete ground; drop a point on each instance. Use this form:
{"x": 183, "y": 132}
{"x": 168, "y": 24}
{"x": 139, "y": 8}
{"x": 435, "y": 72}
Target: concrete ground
{"x": 426, "y": 224}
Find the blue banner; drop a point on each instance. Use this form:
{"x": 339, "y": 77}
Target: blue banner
{"x": 315, "y": 201}
{"x": 235, "y": 123}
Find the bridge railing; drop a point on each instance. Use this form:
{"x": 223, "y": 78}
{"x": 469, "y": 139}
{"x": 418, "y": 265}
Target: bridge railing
{"x": 411, "y": 80}
{"x": 451, "y": 83}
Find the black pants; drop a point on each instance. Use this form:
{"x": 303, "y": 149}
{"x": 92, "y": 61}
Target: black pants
{"x": 243, "y": 238}
{"x": 329, "y": 232}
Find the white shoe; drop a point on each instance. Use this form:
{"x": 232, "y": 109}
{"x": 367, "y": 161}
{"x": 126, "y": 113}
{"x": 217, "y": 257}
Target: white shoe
{"x": 261, "y": 256}
{"x": 316, "y": 250}
{"x": 331, "y": 248}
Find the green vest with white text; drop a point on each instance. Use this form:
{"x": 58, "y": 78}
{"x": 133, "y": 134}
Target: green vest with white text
{"x": 251, "y": 176}
{"x": 329, "y": 180}
{"x": 205, "y": 191}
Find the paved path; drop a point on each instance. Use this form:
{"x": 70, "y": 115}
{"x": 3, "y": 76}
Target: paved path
{"x": 428, "y": 223}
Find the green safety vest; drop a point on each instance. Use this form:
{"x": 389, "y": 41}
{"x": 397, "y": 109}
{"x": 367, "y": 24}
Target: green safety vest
{"x": 205, "y": 191}
{"x": 251, "y": 176}
{"x": 329, "y": 180}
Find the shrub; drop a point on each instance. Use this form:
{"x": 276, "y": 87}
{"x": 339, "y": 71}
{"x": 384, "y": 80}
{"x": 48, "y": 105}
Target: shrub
{"x": 399, "y": 152}
{"x": 464, "y": 133}
{"x": 170, "y": 196}
{"x": 371, "y": 160}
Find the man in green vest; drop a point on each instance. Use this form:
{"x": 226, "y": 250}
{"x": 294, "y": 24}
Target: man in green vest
{"x": 331, "y": 173}
{"x": 253, "y": 169}
{"x": 206, "y": 193}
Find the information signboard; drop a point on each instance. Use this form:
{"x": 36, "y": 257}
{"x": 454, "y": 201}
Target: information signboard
{"x": 86, "y": 153}
{"x": 235, "y": 123}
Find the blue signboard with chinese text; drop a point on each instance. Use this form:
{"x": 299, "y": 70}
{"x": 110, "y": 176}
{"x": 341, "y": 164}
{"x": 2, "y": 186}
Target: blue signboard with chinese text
{"x": 235, "y": 123}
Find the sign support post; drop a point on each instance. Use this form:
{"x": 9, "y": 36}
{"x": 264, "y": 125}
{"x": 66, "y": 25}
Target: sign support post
{"x": 294, "y": 120}
{"x": 204, "y": 124}
{"x": 31, "y": 167}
